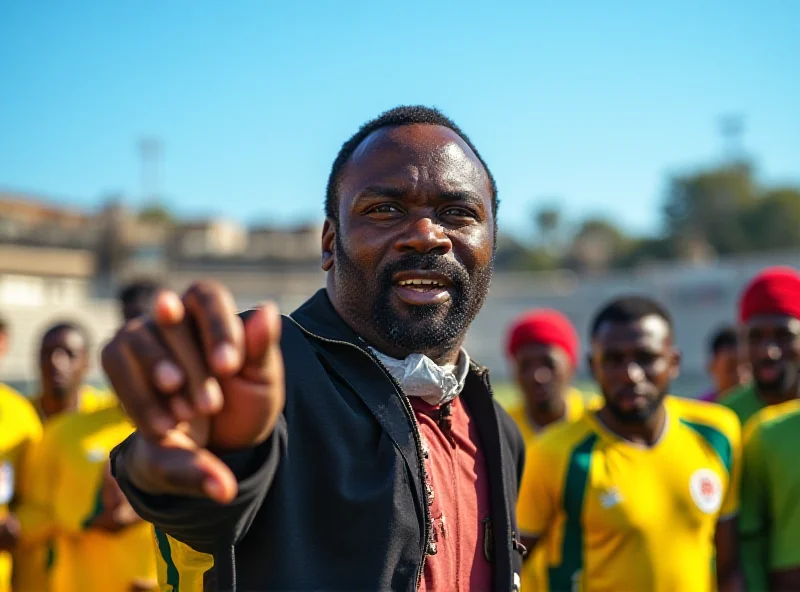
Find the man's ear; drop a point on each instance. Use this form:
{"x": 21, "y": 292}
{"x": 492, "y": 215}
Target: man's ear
{"x": 675, "y": 368}
{"x": 328, "y": 239}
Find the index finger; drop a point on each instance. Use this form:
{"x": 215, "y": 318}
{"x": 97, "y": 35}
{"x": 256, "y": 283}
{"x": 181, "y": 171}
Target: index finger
{"x": 213, "y": 310}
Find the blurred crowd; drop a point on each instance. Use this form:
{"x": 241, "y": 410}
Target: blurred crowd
{"x": 66, "y": 526}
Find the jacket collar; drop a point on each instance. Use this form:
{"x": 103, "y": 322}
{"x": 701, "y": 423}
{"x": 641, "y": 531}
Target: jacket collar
{"x": 317, "y": 315}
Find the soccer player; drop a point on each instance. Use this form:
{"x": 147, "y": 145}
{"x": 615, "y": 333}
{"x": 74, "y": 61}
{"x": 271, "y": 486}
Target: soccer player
{"x": 20, "y": 430}
{"x": 633, "y": 496}
{"x": 543, "y": 347}
{"x": 98, "y": 541}
{"x": 725, "y": 366}
{"x": 769, "y": 311}
{"x": 769, "y": 524}
{"x": 63, "y": 366}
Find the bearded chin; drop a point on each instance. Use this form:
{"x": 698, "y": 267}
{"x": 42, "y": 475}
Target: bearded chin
{"x": 636, "y": 416}
{"x": 429, "y": 329}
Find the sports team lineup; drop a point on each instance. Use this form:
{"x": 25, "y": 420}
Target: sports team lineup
{"x": 354, "y": 444}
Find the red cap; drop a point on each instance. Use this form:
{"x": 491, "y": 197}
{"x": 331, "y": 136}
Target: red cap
{"x": 776, "y": 290}
{"x": 544, "y": 326}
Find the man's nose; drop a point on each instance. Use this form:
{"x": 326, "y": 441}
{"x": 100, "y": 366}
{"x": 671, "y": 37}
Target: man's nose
{"x": 424, "y": 235}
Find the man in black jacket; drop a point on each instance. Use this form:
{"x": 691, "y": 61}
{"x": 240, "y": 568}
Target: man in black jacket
{"x": 352, "y": 445}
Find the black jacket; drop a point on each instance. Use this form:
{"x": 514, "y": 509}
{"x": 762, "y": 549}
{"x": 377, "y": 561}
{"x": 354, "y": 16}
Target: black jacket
{"x": 334, "y": 499}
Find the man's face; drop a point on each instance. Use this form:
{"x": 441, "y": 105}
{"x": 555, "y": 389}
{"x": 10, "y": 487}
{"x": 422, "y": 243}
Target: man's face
{"x": 543, "y": 372}
{"x": 412, "y": 255}
{"x": 634, "y": 364}
{"x": 726, "y": 368}
{"x": 63, "y": 361}
{"x": 773, "y": 348}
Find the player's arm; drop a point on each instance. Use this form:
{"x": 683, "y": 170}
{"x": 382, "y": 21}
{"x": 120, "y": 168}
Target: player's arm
{"x": 727, "y": 563}
{"x": 205, "y": 390}
{"x": 536, "y": 503}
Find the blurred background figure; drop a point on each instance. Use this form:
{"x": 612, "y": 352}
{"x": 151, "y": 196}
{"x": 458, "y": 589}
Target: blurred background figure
{"x": 136, "y": 298}
{"x": 725, "y": 366}
{"x": 63, "y": 367}
{"x": 769, "y": 521}
{"x": 20, "y": 431}
{"x": 5, "y": 337}
{"x": 543, "y": 348}
{"x": 769, "y": 311}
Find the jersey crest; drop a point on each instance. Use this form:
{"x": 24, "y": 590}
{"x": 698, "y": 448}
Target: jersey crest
{"x": 706, "y": 489}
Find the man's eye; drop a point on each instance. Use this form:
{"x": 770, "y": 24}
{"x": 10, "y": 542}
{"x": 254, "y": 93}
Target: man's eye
{"x": 384, "y": 209}
{"x": 458, "y": 212}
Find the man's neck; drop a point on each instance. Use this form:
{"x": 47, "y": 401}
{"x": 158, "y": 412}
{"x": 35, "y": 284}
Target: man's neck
{"x": 52, "y": 404}
{"x": 544, "y": 417}
{"x": 645, "y": 433}
{"x": 772, "y": 397}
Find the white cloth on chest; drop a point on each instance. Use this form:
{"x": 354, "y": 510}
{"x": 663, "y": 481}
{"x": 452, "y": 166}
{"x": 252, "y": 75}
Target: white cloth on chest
{"x": 419, "y": 376}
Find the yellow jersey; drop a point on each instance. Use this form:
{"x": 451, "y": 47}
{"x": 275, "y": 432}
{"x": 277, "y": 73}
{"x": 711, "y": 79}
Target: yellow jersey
{"x": 534, "y": 572}
{"x": 71, "y": 462}
{"x": 576, "y": 403}
{"x": 616, "y": 516}
{"x": 20, "y": 429}
{"x": 32, "y": 562}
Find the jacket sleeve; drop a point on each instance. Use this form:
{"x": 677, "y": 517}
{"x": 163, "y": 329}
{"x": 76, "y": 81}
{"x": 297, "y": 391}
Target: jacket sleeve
{"x": 201, "y": 523}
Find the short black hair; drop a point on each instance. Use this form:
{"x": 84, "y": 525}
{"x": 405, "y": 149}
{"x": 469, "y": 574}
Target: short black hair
{"x": 723, "y": 338}
{"x": 628, "y": 309}
{"x": 67, "y": 326}
{"x": 3, "y": 325}
{"x": 142, "y": 288}
{"x": 399, "y": 116}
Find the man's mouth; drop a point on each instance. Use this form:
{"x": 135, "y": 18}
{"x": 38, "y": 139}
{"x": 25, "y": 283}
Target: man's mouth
{"x": 768, "y": 371}
{"x": 422, "y": 287}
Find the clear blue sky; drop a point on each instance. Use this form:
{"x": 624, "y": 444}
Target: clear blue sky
{"x": 590, "y": 104}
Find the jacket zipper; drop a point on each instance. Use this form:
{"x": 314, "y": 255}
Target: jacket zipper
{"x": 415, "y": 429}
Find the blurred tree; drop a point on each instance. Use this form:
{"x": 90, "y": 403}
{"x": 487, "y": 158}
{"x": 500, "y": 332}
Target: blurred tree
{"x": 707, "y": 207}
{"x": 548, "y": 225}
{"x": 773, "y": 222}
{"x": 155, "y": 213}
{"x": 515, "y": 255}
{"x": 598, "y": 245}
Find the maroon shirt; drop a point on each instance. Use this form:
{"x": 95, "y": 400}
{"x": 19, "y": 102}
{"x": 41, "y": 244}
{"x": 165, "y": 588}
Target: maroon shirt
{"x": 459, "y": 502}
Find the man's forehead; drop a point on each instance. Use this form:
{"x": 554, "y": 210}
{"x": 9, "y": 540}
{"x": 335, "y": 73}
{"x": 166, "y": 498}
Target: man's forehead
{"x": 400, "y": 151}
{"x": 773, "y": 322}
{"x": 65, "y": 337}
{"x": 652, "y": 328}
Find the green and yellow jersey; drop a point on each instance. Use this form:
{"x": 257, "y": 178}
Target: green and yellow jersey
{"x": 179, "y": 566}
{"x": 769, "y": 522}
{"x": 71, "y": 462}
{"x": 20, "y": 430}
{"x": 32, "y": 562}
{"x": 613, "y": 515}
{"x": 743, "y": 401}
{"x": 534, "y": 572}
